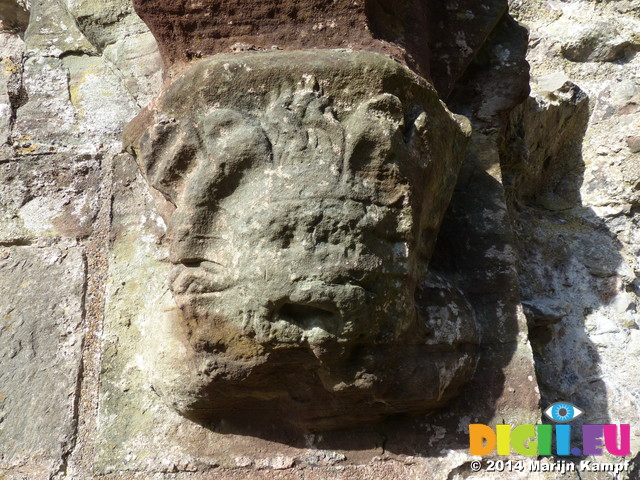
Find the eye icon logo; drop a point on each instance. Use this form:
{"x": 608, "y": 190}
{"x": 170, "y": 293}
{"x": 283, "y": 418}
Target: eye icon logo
{"x": 562, "y": 412}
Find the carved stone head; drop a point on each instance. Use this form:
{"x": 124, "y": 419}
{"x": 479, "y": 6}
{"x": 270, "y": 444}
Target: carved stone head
{"x": 303, "y": 193}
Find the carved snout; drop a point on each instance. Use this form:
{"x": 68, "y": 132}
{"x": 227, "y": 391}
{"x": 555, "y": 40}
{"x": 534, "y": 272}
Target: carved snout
{"x": 321, "y": 311}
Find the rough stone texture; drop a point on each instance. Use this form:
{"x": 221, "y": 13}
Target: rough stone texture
{"x": 55, "y": 196}
{"x": 84, "y": 68}
{"x": 14, "y": 15}
{"x": 41, "y": 312}
{"x": 155, "y": 439}
{"x": 61, "y": 98}
{"x": 575, "y": 203}
{"x": 436, "y": 39}
{"x": 581, "y": 34}
{"x": 62, "y": 108}
{"x": 11, "y": 91}
{"x": 137, "y": 432}
{"x": 53, "y": 31}
{"x": 292, "y": 25}
{"x": 105, "y": 22}
{"x": 476, "y": 241}
{"x": 301, "y": 219}
{"x": 128, "y": 49}
{"x": 65, "y": 85}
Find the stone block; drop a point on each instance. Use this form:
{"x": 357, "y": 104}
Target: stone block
{"x": 41, "y": 314}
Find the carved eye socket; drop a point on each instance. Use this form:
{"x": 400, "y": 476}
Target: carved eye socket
{"x": 562, "y": 412}
{"x": 168, "y": 153}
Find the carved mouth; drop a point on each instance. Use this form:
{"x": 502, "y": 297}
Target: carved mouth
{"x": 308, "y": 316}
{"x": 318, "y": 313}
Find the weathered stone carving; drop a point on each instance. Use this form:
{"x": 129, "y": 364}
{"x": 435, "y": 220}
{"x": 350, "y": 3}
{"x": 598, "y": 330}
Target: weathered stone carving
{"x": 303, "y": 193}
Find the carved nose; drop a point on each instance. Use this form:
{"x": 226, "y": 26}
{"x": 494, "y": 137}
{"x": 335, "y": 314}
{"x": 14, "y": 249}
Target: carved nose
{"x": 308, "y": 317}
{"x": 187, "y": 241}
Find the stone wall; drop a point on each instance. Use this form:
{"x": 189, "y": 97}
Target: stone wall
{"x": 539, "y": 244}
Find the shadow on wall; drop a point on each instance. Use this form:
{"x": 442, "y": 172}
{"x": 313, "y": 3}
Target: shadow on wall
{"x": 570, "y": 263}
{"x": 13, "y": 16}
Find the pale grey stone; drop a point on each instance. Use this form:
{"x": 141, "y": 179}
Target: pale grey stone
{"x": 129, "y": 51}
{"x": 52, "y": 32}
{"x": 137, "y": 62}
{"x": 41, "y": 313}
{"x": 44, "y": 124}
{"x": 75, "y": 105}
{"x": 600, "y": 41}
{"x": 101, "y": 102}
{"x": 105, "y": 22}
{"x": 73, "y": 99}
{"x": 48, "y": 197}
